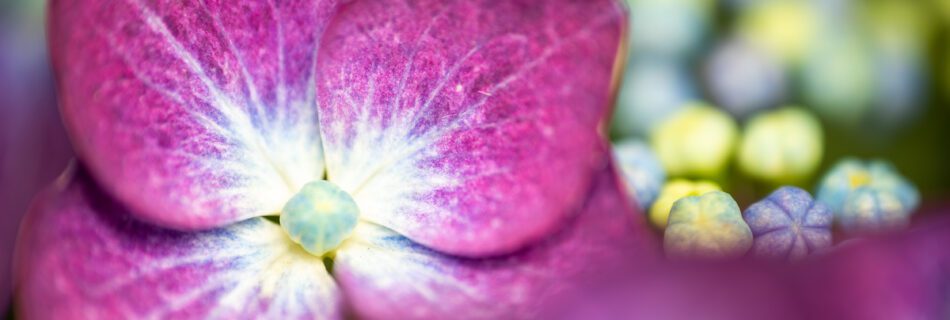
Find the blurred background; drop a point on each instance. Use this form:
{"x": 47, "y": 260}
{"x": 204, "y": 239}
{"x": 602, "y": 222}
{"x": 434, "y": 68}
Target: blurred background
{"x": 875, "y": 74}
{"x": 33, "y": 144}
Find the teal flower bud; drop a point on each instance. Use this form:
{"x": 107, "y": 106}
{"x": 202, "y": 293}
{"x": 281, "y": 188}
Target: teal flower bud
{"x": 319, "y": 217}
{"x": 868, "y": 196}
{"x": 643, "y": 174}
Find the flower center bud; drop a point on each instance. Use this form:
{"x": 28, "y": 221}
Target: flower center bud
{"x": 319, "y": 217}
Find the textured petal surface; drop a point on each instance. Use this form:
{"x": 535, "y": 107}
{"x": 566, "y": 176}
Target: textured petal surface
{"x": 80, "y": 256}
{"x": 193, "y": 113}
{"x": 389, "y": 276}
{"x": 469, "y": 126}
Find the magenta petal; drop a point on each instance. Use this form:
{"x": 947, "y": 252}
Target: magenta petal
{"x": 79, "y": 255}
{"x": 196, "y": 113}
{"x": 386, "y": 275}
{"x": 469, "y": 126}
{"x": 899, "y": 276}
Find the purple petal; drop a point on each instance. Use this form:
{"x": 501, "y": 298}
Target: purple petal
{"x": 388, "y": 276}
{"x": 79, "y": 255}
{"x": 468, "y": 126}
{"x": 194, "y": 114}
{"x": 905, "y": 276}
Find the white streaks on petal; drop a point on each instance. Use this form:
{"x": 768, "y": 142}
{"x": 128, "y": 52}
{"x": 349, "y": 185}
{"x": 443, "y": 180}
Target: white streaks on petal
{"x": 266, "y": 153}
{"x": 382, "y": 158}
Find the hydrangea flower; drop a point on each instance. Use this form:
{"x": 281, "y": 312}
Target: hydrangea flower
{"x": 781, "y": 146}
{"x": 788, "y": 224}
{"x": 643, "y": 174}
{"x": 868, "y": 196}
{"x": 706, "y": 226}
{"x": 426, "y": 159}
{"x": 697, "y": 141}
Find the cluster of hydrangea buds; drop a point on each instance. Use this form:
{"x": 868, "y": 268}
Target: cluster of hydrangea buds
{"x": 778, "y": 149}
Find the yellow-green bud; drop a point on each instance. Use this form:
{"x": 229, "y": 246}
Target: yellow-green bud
{"x": 675, "y": 190}
{"x": 697, "y": 141}
{"x": 781, "y": 147}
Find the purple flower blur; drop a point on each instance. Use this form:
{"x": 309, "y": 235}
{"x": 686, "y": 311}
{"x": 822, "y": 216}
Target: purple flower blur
{"x": 33, "y": 144}
{"x": 467, "y": 132}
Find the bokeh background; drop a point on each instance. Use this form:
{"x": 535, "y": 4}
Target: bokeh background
{"x": 33, "y": 144}
{"x": 876, "y": 73}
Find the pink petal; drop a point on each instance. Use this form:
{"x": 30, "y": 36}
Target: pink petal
{"x": 388, "y": 276}
{"x": 79, "y": 255}
{"x": 196, "y": 113}
{"x": 469, "y": 126}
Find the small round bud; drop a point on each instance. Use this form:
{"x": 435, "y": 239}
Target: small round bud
{"x": 319, "y": 217}
{"x": 868, "y": 196}
{"x": 643, "y": 174}
{"x": 675, "y": 190}
{"x": 782, "y": 146}
{"x": 743, "y": 78}
{"x": 697, "y": 141}
{"x": 707, "y": 226}
{"x": 788, "y": 224}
